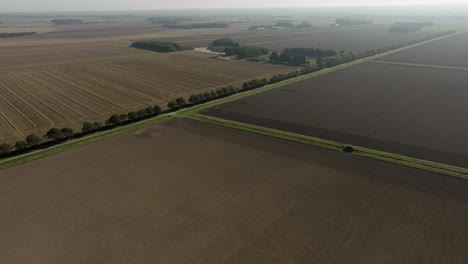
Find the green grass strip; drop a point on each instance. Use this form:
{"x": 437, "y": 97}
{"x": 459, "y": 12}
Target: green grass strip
{"x": 337, "y": 146}
{"x": 75, "y": 143}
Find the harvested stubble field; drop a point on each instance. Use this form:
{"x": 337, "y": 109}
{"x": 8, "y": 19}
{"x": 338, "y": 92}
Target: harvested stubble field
{"x": 452, "y": 51}
{"x": 414, "y": 111}
{"x": 124, "y": 200}
{"x": 354, "y": 39}
{"x": 36, "y": 98}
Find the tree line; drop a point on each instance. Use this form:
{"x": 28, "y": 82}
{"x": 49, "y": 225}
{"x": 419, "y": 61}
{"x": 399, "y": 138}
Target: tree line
{"x": 55, "y": 136}
{"x": 16, "y": 34}
{"x": 158, "y": 46}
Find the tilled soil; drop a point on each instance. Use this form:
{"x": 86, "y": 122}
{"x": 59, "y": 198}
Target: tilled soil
{"x": 188, "y": 192}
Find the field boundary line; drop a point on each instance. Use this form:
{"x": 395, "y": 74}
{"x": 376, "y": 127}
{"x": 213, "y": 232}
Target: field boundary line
{"x": 75, "y": 143}
{"x": 407, "y": 161}
{"x": 432, "y": 66}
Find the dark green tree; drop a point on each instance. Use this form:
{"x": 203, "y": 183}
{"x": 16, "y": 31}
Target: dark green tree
{"x": 54, "y": 134}
{"x": 172, "y": 105}
{"x": 67, "y": 132}
{"x": 19, "y": 145}
{"x": 113, "y": 120}
{"x": 88, "y": 127}
{"x": 157, "y": 110}
{"x": 5, "y": 148}
{"x": 274, "y": 56}
{"x": 33, "y": 140}
{"x": 181, "y": 101}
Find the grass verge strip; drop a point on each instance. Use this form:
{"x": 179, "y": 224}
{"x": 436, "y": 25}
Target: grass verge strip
{"x": 337, "y": 146}
{"x": 68, "y": 145}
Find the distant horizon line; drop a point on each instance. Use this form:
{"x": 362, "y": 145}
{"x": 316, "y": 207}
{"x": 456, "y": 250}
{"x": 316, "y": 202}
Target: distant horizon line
{"x": 238, "y": 8}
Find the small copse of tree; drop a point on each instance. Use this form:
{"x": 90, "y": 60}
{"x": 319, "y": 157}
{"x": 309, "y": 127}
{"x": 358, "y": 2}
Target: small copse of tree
{"x": 16, "y": 34}
{"x": 245, "y": 52}
{"x": 157, "y": 46}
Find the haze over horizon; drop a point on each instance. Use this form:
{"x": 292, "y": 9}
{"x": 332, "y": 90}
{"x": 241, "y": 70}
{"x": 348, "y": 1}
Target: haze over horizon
{"x": 120, "y": 5}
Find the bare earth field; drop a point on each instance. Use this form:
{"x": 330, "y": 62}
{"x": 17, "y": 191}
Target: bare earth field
{"x": 415, "y": 111}
{"x": 451, "y": 51}
{"x": 188, "y": 192}
{"x": 42, "y": 94}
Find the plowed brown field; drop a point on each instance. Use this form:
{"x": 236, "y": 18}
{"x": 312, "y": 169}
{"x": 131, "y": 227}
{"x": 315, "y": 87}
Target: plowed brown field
{"x": 186, "y": 192}
{"x": 35, "y": 97}
{"x": 415, "y": 111}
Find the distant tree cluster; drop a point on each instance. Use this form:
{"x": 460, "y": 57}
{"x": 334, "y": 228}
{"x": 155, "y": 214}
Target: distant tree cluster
{"x": 282, "y": 24}
{"x": 245, "y": 52}
{"x": 66, "y": 21}
{"x": 352, "y": 22}
{"x": 341, "y": 58}
{"x": 16, "y": 34}
{"x": 224, "y": 42}
{"x": 198, "y": 25}
{"x": 298, "y": 56}
{"x": 285, "y": 23}
{"x": 168, "y": 20}
{"x": 409, "y": 27}
{"x": 309, "y": 52}
{"x": 158, "y": 46}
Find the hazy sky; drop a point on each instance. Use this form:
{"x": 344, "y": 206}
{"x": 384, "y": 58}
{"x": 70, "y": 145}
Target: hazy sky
{"x": 80, "y": 5}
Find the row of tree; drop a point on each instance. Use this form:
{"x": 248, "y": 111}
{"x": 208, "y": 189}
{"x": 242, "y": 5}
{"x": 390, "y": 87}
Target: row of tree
{"x": 282, "y": 24}
{"x": 16, "y": 34}
{"x": 58, "y": 135}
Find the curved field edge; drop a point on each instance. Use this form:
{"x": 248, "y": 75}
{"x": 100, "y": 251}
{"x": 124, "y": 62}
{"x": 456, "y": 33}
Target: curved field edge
{"x": 190, "y": 112}
{"x": 338, "y": 146}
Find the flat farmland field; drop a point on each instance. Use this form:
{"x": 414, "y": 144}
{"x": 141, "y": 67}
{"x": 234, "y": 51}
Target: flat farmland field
{"x": 349, "y": 39}
{"x": 415, "y": 111}
{"x": 35, "y": 98}
{"x": 452, "y": 51}
{"x": 238, "y": 198}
